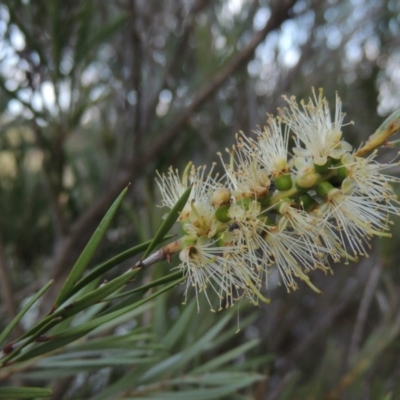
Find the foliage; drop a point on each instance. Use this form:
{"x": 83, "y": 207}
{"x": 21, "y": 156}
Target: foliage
{"x": 95, "y": 95}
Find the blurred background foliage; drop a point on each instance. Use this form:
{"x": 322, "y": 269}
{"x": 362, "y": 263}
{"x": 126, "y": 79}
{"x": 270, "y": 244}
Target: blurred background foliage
{"x": 98, "y": 94}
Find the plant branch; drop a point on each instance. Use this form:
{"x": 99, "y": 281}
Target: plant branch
{"x": 175, "y": 59}
{"x": 165, "y": 253}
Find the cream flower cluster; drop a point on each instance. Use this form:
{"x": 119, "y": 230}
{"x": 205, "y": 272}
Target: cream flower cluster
{"x": 293, "y": 209}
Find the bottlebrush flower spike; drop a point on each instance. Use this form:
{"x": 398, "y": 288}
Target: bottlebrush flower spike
{"x": 292, "y": 209}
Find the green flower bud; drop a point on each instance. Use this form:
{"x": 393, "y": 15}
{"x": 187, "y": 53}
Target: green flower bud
{"x": 188, "y": 240}
{"x": 222, "y": 213}
{"x": 342, "y": 173}
{"x": 306, "y": 178}
{"x": 323, "y": 189}
{"x": 323, "y": 169}
{"x": 307, "y": 202}
{"x": 283, "y": 182}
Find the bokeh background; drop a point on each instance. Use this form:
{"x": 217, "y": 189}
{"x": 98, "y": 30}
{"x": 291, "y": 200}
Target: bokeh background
{"x": 96, "y": 94}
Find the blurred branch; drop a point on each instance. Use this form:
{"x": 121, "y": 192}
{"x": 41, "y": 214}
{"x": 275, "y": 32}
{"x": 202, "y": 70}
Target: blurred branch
{"x": 279, "y": 14}
{"x": 175, "y": 59}
{"x": 136, "y": 44}
{"x": 369, "y": 293}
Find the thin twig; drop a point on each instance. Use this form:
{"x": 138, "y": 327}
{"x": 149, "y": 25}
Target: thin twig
{"x": 165, "y": 253}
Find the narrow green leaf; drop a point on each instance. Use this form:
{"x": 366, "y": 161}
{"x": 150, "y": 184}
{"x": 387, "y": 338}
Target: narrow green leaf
{"x": 109, "y": 264}
{"x": 213, "y": 379}
{"x": 112, "y": 342}
{"x": 155, "y": 283}
{"x": 27, "y": 306}
{"x": 124, "y": 303}
{"x": 392, "y": 120}
{"x": 55, "y": 343}
{"x": 179, "y": 328}
{"x": 213, "y": 364}
{"x": 120, "y": 319}
{"x": 138, "y": 293}
{"x": 72, "y": 356}
{"x": 96, "y": 295}
{"x": 88, "y": 251}
{"x": 20, "y": 346}
{"x": 23, "y": 392}
{"x": 73, "y": 334}
{"x": 110, "y": 360}
{"x": 103, "y": 319}
{"x": 175, "y": 362}
{"x": 71, "y": 369}
{"x": 166, "y": 367}
{"x": 88, "y": 313}
{"x": 201, "y": 393}
{"x": 61, "y": 326}
{"x": 169, "y": 221}
{"x": 79, "y": 305}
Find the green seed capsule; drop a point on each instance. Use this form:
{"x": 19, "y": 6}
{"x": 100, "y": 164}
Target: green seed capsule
{"x": 222, "y": 213}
